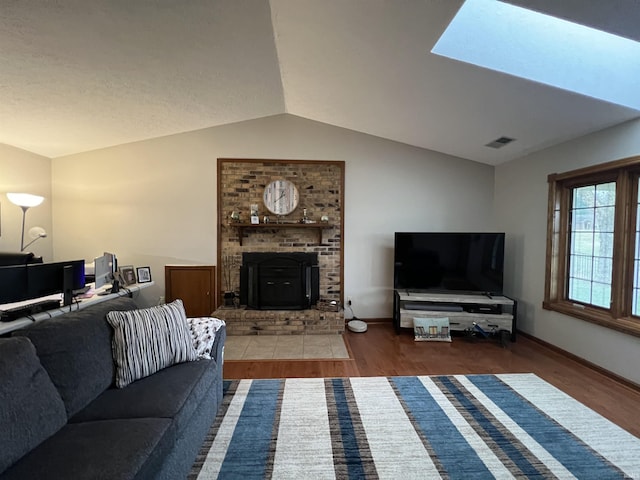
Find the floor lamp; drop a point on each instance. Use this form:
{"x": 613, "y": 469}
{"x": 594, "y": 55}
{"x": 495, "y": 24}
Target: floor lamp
{"x": 25, "y": 201}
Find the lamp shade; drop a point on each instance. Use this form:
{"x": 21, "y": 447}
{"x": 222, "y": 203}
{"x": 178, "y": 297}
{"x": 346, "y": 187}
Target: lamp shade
{"x": 37, "y": 232}
{"x": 25, "y": 199}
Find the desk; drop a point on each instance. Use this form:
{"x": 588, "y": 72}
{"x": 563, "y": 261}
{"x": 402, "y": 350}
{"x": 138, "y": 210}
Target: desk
{"x": 6, "y": 327}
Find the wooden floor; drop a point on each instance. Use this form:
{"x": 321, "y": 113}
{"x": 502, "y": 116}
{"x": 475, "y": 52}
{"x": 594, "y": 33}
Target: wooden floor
{"x": 380, "y": 352}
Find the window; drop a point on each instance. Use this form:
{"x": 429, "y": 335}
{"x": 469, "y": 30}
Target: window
{"x": 593, "y": 245}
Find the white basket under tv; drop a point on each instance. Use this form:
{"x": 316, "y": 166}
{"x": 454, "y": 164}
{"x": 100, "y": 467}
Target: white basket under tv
{"x": 434, "y": 329}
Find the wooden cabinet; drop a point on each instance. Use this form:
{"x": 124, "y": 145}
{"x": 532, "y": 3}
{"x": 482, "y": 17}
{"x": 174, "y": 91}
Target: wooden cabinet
{"x": 195, "y": 285}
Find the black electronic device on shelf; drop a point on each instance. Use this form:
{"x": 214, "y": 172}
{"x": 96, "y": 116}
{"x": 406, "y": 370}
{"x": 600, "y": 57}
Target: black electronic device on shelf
{"x": 449, "y": 262}
{"x": 14, "y": 313}
{"x": 50, "y": 278}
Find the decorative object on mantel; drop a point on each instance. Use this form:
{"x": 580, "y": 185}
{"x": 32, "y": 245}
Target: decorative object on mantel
{"x": 230, "y": 264}
{"x": 304, "y": 218}
{"x": 25, "y": 201}
{"x": 255, "y": 217}
{"x": 234, "y": 217}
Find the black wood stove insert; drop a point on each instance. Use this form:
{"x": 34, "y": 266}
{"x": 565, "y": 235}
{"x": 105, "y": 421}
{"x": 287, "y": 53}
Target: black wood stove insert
{"x": 279, "y": 281}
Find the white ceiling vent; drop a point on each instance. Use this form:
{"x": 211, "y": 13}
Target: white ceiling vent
{"x": 500, "y": 142}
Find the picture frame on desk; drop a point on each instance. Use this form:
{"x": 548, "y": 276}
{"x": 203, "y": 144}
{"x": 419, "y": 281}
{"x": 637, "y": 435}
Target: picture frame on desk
{"x": 144, "y": 274}
{"x": 128, "y": 275}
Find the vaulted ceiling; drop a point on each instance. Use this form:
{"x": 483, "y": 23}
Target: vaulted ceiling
{"x": 78, "y": 75}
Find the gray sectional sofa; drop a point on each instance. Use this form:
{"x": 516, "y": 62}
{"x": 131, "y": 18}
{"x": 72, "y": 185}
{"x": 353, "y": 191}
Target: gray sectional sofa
{"x": 62, "y": 417}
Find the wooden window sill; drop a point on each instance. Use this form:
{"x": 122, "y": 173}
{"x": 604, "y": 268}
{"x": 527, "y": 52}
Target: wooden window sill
{"x": 628, "y": 325}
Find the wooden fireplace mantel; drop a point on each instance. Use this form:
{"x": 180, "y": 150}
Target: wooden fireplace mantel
{"x": 243, "y": 227}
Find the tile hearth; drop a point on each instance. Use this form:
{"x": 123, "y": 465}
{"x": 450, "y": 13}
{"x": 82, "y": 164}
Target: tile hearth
{"x": 243, "y": 321}
{"x": 284, "y": 347}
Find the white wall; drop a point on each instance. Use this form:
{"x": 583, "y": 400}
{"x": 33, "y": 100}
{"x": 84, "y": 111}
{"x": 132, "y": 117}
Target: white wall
{"x": 24, "y": 172}
{"x": 154, "y": 202}
{"x": 521, "y": 210}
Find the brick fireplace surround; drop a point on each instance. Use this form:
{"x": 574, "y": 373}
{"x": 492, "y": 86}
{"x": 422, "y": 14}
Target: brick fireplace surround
{"x": 320, "y": 185}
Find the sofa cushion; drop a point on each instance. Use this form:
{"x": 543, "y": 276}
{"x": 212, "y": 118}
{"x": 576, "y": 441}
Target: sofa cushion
{"x": 109, "y": 450}
{"x": 189, "y": 440}
{"x": 75, "y": 350}
{"x": 31, "y": 409}
{"x": 170, "y": 393}
{"x": 148, "y": 340}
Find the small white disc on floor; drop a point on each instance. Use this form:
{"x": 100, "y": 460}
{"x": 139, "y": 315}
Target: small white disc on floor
{"x": 357, "y": 326}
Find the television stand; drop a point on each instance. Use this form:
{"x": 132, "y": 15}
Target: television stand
{"x": 493, "y": 313}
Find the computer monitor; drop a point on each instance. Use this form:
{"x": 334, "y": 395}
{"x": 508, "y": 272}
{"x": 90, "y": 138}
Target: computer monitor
{"x": 13, "y": 284}
{"x": 49, "y": 278}
{"x": 113, "y": 262}
{"x": 103, "y": 270}
{"x": 9, "y": 259}
{"x": 25, "y": 282}
{"x": 79, "y": 279}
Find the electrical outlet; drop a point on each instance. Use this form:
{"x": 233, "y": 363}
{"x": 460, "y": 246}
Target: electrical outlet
{"x": 161, "y": 300}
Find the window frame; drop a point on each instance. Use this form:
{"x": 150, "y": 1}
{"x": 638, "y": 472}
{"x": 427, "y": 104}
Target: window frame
{"x": 626, "y": 174}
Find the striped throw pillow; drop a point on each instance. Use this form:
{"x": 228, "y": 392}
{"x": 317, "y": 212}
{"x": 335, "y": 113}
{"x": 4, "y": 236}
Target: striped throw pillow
{"x": 148, "y": 340}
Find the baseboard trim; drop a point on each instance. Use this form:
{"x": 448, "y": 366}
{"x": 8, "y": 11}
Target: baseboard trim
{"x": 370, "y": 321}
{"x": 603, "y": 371}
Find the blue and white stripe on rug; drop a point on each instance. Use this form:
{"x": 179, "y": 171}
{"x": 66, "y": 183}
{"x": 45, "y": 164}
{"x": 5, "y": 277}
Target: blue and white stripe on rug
{"x": 450, "y": 427}
{"x": 480, "y": 460}
{"x": 602, "y": 436}
{"x": 388, "y": 431}
{"x": 555, "y": 467}
{"x": 304, "y": 447}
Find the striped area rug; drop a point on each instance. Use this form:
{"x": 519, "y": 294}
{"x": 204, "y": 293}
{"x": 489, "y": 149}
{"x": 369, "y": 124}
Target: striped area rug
{"x": 452, "y": 427}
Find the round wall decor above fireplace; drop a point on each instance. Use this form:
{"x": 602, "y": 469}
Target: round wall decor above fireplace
{"x": 281, "y": 197}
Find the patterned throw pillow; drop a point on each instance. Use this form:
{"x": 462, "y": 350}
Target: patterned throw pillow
{"x": 203, "y": 331}
{"x": 148, "y": 340}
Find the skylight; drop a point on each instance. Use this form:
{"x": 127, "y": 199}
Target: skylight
{"x": 545, "y": 49}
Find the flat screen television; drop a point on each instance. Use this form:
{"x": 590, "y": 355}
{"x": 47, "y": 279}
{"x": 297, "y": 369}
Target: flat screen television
{"x": 447, "y": 262}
